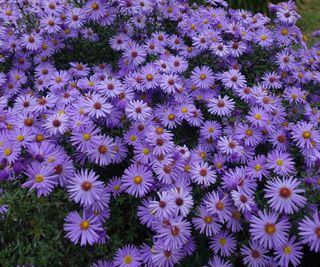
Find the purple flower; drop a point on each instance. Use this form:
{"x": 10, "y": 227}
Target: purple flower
{"x": 309, "y": 230}
{"x": 81, "y": 229}
{"x": 254, "y": 255}
{"x": 85, "y": 188}
{"x": 202, "y": 77}
{"x": 233, "y": 79}
{"x": 40, "y": 177}
{"x": 137, "y": 180}
{"x": 268, "y": 230}
{"x": 137, "y": 110}
{"x": 165, "y": 207}
{"x": 183, "y": 201}
{"x": 284, "y": 195}
{"x": 290, "y": 252}
{"x": 201, "y": 173}
{"x": 221, "y": 106}
{"x": 306, "y": 135}
{"x": 127, "y": 256}
{"x": 223, "y": 243}
{"x": 174, "y": 233}
{"x": 165, "y": 257}
{"x": 281, "y": 163}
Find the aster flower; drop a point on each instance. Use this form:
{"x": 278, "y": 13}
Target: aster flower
{"x": 31, "y": 41}
{"x": 75, "y": 18}
{"x": 268, "y": 230}
{"x": 165, "y": 257}
{"x": 281, "y": 163}
{"x": 242, "y": 201}
{"x": 40, "y": 177}
{"x": 56, "y": 124}
{"x": 86, "y": 138}
{"x": 137, "y": 180}
{"x": 309, "y": 230}
{"x": 202, "y": 173}
{"x": 290, "y": 252}
{"x": 127, "y": 256}
{"x": 81, "y": 228}
{"x": 134, "y": 54}
{"x": 229, "y": 146}
{"x": 233, "y": 79}
{"x": 306, "y": 135}
{"x": 264, "y": 37}
{"x": 223, "y": 243}
{"x": 258, "y": 117}
{"x": 218, "y": 204}
{"x": 221, "y": 106}
{"x": 216, "y": 260}
{"x": 85, "y": 188}
{"x": 9, "y": 151}
{"x": 206, "y": 223}
{"x": 174, "y": 233}
{"x": 202, "y": 77}
{"x": 103, "y": 152}
{"x": 183, "y": 201}
{"x": 95, "y": 9}
{"x": 163, "y": 208}
{"x": 97, "y": 106}
{"x": 284, "y": 195}
{"x": 137, "y": 110}
{"x": 254, "y": 255}
{"x": 220, "y": 49}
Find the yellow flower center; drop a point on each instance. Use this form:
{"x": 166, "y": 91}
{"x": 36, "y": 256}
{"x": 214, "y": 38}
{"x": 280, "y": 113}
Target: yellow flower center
{"x": 284, "y": 31}
{"x": 306, "y": 134}
{"x": 219, "y": 165}
{"x": 258, "y": 167}
{"x": 39, "y": 178}
{"x": 149, "y": 77}
{"x": 207, "y": 219}
{"x": 7, "y": 152}
{"x": 257, "y": 116}
{"x": 263, "y": 37}
{"x": 50, "y": 159}
{"x": 279, "y": 162}
{"x": 203, "y": 76}
{"x": 202, "y": 154}
{"x": 146, "y": 151}
{"x": 223, "y": 241}
{"x": 171, "y": 117}
{"x": 270, "y": 228}
{"x": 210, "y": 129}
{"x": 20, "y": 138}
{"x": 137, "y": 179}
{"x": 95, "y": 6}
{"x": 127, "y": 259}
{"x": 84, "y": 225}
{"x": 86, "y": 137}
{"x": 184, "y": 110}
{"x": 133, "y": 138}
{"x": 187, "y": 168}
{"x": 249, "y": 132}
{"x": 287, "y": 249}
{"x": 39, "y": 137}
{"x": 116, "y": 187}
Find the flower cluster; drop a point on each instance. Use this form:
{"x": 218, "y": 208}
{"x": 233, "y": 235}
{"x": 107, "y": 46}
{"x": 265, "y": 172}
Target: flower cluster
{"x": 210, "y": 112}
